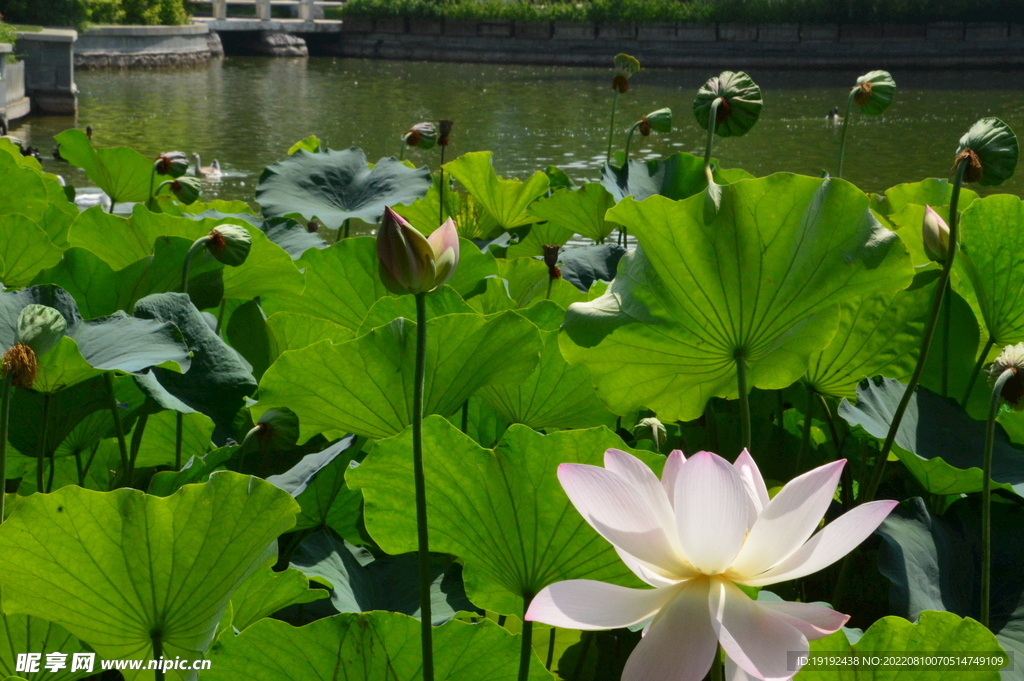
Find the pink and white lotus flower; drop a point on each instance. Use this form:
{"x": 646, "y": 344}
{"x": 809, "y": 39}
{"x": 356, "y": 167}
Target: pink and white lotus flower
{"x": 705, "y": 527}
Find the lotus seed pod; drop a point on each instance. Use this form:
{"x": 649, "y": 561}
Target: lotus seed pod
{"x": 551, "y": 260}
{"x": 230, "y": 244}
{"x": 740, "y": 106}
{"x": 650, "y": 428}
{"x": 990, "y": 151}
{"x": 935, "y": 234}
{"x": 1010, "y": 359}
{"x": 173, "y": 163}
{"x": 444, "y": 132}
{"x": 874, "y": 92}
{"x": 40, "y": 328}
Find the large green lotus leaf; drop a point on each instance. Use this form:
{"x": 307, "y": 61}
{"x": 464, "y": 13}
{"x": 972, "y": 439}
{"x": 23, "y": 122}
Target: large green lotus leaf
{"x": 942, "y": 446}
{"x": 475, "y": 268}
{"x": 992, "y": 259}
{"x": 115, "y": 567}
{"x": 878, "y": 334}
{"x": 425, "y": 212}
{"x": 376, "y": 646}
{"x": 342, "y": 284}
{"x": 123, "y": 173}
{"x": 933, "y": 563}
{"x": 583, "y": 265}
{"x": 333, "y": 186}
{"x": 677, "y": 177}
{"x": 581, "y": 211}
{"x": 22, "y": 191}
{"x": 935, "y": 632}
{"x": 197, "y": 469}
{"x": 248, "y": 333}
{"x": 266, "y": 591}
{"x": 290, "y": 331}
{"x": 387, "y": 309}
{"x": 934, "y": 192}
{"x": 268, "y": 270}
{"x": 24, "y": 634}
{"x": 100, "y": 290}
{"x": 24, "y": 250}
{"x": 763, "y": 280}
{"x": 479, "y": 501}
{"x": 555, "y": 395}
{"x": 218, "y": 381}
{"x": 365, "y": 385}
{"x": 507, "y": 201}
{"x": 318, "y": 483}
{"x": 158, "y": 439}
{"x": 361, "y": 583}
{"x": 485, "y": 425}
{"x": 528, "y": 283}
{"x": 60, "y": 213}
{"x": 538, "y": 235}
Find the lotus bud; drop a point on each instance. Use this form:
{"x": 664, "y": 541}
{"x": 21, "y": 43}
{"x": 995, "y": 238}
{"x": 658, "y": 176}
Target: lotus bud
{"x": 625, "y": 67}
{"x": 444, "y": 132}
{"x": 185, "y": 189}
{"x": 990, "y": 151}
{"x": 1010, "y": 359}
{"x": 422, "y": 136}
{"x": 276, "y": 431}
{"x": 230, "y": 244}
{"x": 40, "y": 328}
{"x": 551, "y": 260}
{"x": 935, "y": 234}
{"x": 411, "y": 262}
{"x": 657, "y": 121}
{"x": 650, "y": 428}
{"x": 173, "y": 163}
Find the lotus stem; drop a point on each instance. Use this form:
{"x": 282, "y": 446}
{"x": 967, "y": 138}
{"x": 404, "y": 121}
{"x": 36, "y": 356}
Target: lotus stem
{"x": 842, "y": 136}
{"x": 196, "y": 245}
{"x": 84, "y": 470}
{"x": 926, "y": 340}
{"x": 5, "y": 420}
{"x": 585, "y": 640}
{"x": 345, "y": 228}
{"x": 947, "y": 306}
{"x": 426, "y": 632}
{"x": 526, "y": 651}
{"x": 158, "y": 653}
{"x": 152, "y": 181}
{"x": 401, "y": 154}
{"x": 465, "y": 416}
{"x": 712, "y": 120}
{"x": 41, "y": 453}
{"x": 611, "y": 127}
{"x": 977, "y": 370}
{"x": 629, "y": 140}
{"x": 118, "y": 427}
{"x": 440, "y": 189}
{"x": 717, "y": 673}
{"x": 986, "y": 497}
{"x": 179, "y": 432}
{"x": 846, "y": 479}
{"x": 551, "y": 649}
{"x": 140, "y": 429}
{"x": 741, "y": 381}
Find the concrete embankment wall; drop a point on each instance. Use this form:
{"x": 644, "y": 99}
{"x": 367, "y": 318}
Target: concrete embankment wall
{"x": 940, "y": 45}
{"x": 145, "y": 46}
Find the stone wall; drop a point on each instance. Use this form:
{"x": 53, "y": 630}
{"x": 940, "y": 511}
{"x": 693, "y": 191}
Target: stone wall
{"x": 143, "y": 46}
{"x": 50, "y": 70}
{"x": 939, "y": 45}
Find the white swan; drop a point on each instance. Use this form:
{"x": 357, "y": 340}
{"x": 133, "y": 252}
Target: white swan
{"x": 85, "y": 201}
{"x": 211, "y": 172}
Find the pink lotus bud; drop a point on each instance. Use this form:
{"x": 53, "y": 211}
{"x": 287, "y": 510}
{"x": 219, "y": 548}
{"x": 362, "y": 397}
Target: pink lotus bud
{"x": 412, "y": 263}
{"x": 935, "y": 233}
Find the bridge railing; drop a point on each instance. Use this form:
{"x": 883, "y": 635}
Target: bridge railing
{"x": 307, "y": 8}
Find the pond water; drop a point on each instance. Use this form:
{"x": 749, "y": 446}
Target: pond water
{"x": 247, "y": 111}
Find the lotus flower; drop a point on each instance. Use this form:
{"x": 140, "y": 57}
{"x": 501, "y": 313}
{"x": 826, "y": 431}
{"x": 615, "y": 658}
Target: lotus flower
{"x": 705, "y": 527}
{"x": 411, "y": 262}
{"x": 935, "y": 234}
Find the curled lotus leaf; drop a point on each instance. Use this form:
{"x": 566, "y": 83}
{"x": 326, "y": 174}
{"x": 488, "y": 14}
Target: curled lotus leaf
{"x": 990, "y": 144}
{"x": 626, "y": 65}
{"x": 740, "y": 106}
{"x": 874, "y": 92}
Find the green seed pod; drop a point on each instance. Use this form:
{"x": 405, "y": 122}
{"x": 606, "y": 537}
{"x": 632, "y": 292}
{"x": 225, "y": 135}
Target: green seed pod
{"x": 173, "y": 163}
{"x": 421, "y": 136}
{"x": 40, "y": 328}
{"x": 740, "y": 106}
{"x": 874, "y": 92}
{"x": 230, "y": 244}
{"x": 185, "y": 189}
{"x": 991, "y": 152}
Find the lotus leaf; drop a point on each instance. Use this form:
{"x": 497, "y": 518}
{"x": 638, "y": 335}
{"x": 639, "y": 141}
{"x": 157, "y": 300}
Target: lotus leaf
{"x": 123, "y": 173}
{"x": 23, "y": 634}
{"x": 874, "y": 92}
{"x": 677, "y": 177}
{"x": 24, "y": 250}
{"x": 334, "y": 186}
{"x": 266, "y": 591}
{"x": 507, "y": 201}
{"x": 740, "y": 108}
{"x": 581, "y": 211}
{"x": 760, "y": 283}
{"x": 996, "y": 148}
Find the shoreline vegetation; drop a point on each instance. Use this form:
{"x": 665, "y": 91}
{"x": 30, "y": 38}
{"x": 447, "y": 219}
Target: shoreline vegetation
{"x": 697, "y": 11}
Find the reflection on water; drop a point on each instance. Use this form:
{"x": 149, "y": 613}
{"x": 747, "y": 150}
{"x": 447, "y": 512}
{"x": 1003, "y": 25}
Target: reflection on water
{"x": 247, "y": 112}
